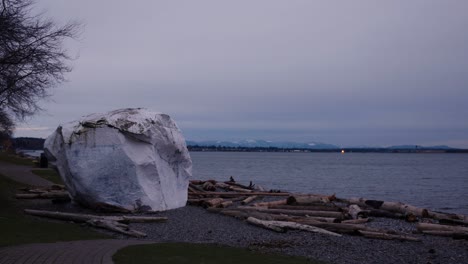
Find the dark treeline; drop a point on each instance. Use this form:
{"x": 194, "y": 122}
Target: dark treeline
{"x": 28, "y": 143}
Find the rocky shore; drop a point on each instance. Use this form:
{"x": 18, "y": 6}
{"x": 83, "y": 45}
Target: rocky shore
{"x": 196, "y": 225}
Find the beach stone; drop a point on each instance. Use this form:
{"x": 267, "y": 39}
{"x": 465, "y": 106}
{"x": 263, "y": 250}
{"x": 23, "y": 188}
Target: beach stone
{"x": 125, "y": 160}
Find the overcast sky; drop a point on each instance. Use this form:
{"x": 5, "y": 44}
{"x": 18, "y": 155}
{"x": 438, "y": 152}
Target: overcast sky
{"x": 341, "y": 72}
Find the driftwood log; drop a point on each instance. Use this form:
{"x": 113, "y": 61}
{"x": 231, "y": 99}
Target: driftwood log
{"x": 380, "y": 235}
{"x": 43, "y": 195}
{"x": 112, "y": 223}
{"x": 236, "y": 194}
{"x": 345, "y": 216}
{"x": 396, "y": 207}
{"x": 249, "y": 199}
{"x": 115, "y": 226}
{"x": 356, "y": 212}
{"x": 331, "y": 207}
{"x": 437, "y": 227}
{"x": 282, "y": 226}
{"x": 309, "y": 199}
{"x": 330, "y": 214}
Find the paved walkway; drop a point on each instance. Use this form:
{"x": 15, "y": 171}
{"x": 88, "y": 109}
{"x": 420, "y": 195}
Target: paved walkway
{"x": 74, "y": 252}
{"x": 22, "y": 174}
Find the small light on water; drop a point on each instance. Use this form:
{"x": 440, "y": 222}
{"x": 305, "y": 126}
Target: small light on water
{"x": 342, "y": 151}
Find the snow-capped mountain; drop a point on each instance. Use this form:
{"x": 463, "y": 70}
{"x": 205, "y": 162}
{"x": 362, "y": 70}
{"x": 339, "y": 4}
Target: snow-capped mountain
{"x": 250, "y": 143}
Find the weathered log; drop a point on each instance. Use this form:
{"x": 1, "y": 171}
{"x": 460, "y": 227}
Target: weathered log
{"x": 271, "y": 203}
{"x": 222, "y": 185}
{"x": 114, "y": 226}
{"x": 356, "y": 212}
{"x": 236, "y": 199}
{"x": 238, "y": 189}
{"x": 225, "y": 204}
{"x": 37, "y": 191}
{"x": 208, "y": 186}
{"x": 281, "y": 226}
{"x": 236, "y": 194}
{"x": 396, "y": 207}
{"x": 249, "y": 199}
{"x": 447, "y": 216}
{"x": 79, "y": 218}
{"x": 331, "y": 208}
{"x": 308, "y": 199}
{"x": 265, "y": 224}
{"x": 337, "y": 215}
{"x": 338, "y": 227}
{"x": 437, "y": 227}
{"x": 238, "y": 185}
{"x": 197, "y": 188}
{"x": 213, "y": 202}
{"x": 44, "y": 195}
{"x": 281, "y": 217}
{"x": 380, "y": 235}
{"x": 191, "y": 190}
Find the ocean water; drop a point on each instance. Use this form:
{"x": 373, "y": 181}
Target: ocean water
{"x": 435, "y": 181}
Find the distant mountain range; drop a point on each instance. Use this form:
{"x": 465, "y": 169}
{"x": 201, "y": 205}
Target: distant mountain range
{"x": 262, "y": 144}
{"x": 37, "y": 143}
{"x": 296, "y": 145}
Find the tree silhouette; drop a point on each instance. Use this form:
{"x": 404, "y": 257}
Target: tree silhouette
{"x": 32, "y": 58}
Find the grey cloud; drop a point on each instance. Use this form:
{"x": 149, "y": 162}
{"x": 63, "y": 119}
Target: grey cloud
{"x": 338, "y": 71}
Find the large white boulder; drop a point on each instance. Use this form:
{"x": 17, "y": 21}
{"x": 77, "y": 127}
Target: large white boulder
{"x": 127, "y": 159}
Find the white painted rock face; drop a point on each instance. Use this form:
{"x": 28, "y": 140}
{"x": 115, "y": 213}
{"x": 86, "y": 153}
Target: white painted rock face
{"x": 127, "y": 159}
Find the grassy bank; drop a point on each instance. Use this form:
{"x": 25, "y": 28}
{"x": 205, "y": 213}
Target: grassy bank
{"x": 181, "y": 253}
{"x": 49, "y": 175}
{"x": 17, "y": 228}
{"x": 15, "y": 159}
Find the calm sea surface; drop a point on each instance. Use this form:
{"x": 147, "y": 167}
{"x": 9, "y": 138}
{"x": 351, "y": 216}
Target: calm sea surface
{"x": 436, "y": 181}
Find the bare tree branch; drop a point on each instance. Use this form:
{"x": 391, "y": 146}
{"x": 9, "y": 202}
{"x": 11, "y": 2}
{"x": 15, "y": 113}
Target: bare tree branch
{"x": 32, "y": 57}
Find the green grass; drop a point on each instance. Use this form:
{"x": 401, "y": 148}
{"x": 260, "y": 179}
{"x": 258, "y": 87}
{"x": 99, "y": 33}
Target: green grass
{"x": 184, "y": 253}
{"x": 49, "y": 175}
{"x": 17, "y": 228}
{"x": 15, "y": 159}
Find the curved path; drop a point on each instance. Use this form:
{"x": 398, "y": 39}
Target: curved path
{"x": 22, "y": 174}
{"x": 73, "y": 252}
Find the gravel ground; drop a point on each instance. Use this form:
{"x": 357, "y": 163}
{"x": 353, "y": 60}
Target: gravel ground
{"x": 196, "y": 225}
{"x": 193, "y": 224}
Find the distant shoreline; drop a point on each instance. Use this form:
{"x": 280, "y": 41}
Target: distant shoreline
{"x": 38, "y": 143}
{"x": 197, "y": 148}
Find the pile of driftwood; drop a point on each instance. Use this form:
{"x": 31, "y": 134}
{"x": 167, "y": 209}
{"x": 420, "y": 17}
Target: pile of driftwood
{"x": 320, "y": 213}
{"x": 55, "y": 191}
{"x": 278, "y": 211}
{"x": 117, "y": 224}
{"x": 58, "y": 193}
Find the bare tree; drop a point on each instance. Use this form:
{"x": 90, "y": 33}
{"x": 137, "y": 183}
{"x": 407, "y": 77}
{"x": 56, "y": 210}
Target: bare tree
{"x": 32, "y": 58}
